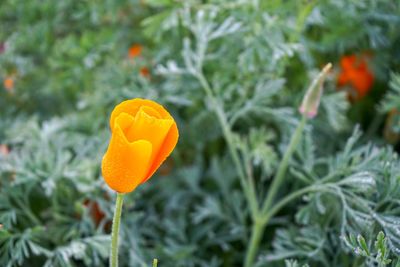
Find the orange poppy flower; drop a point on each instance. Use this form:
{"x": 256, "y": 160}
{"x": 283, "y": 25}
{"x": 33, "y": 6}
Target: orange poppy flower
{"x": 356, "y": 73}
{"x": 135, "y": 51}
{"x": 8, "y": 83}
{"x": 144, "y": 72}
{"x": 143, "y": 136}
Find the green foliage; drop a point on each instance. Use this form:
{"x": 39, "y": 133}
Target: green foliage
{"x": 69, "y": 61}
{"x": 378, "y": 254}
{"x": 392, "y": 98}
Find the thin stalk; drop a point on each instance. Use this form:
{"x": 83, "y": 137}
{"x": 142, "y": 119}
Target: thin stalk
{"x": 155, "y": 262}
{"x": 28, "y": 212}
{"x": 115, "y": 230}
{"x": 247, "y": 185}
{"x": 284, "y": 201}
{"x": 259, "y": 225}
{"x": 256, "y": 234}
{"x": 280, "y": 175}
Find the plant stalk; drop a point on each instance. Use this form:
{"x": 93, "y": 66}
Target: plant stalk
{"x": 115, "y": 230}
{"x": 259, "y": 225}
{"x": 247, "y": 184}
{"x": 256, "y": 234}
{"x": 280, "y": 175}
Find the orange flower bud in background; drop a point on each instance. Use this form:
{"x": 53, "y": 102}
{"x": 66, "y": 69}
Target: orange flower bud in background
{"x": 8, "y": 83}
{"x": 135, "y": 51}
{"x": 143, "y": 136}
{"x": 356, "y": 73}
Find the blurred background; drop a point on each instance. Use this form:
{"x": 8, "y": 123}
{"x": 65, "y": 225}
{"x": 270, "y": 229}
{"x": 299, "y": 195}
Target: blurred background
{"x": 65, "y": 64}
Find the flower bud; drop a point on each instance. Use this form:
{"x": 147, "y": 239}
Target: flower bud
{"x": 312, "y": 98}
{"x": 143, "y": 135}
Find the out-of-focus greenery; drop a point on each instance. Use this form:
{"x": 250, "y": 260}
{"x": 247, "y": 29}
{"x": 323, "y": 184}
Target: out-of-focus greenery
{"x": 69, "y": 64}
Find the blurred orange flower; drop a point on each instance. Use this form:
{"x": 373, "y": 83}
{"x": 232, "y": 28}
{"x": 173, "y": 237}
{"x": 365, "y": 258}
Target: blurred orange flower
{"x": 143, "y": 136}
{"x": 4, "y": 150}
{"x": 144, "y": 71}
{"x": 95, "y": 211}
{"x": 135, "y": 51}
{"x": 356, "y": 73}
{"x": 8, "y": 83}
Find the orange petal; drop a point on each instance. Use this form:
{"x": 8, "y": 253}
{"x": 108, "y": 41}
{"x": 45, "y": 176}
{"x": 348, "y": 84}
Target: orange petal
{"x": 362, "y": 83}
{"x": 152, "y": 129}
{"x": 165, "y": 150}
{"x": 342, "y": 79}
{"x": 348, "y": 62}
{"x": 135, "y": 51}
{"x": 125, "y": 164}
{"x": 132, "y": 107}
{"x": 8, "y": 83}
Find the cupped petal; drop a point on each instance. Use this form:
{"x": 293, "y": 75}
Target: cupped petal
{"x": 146, "y": 127}
{"x": 166, "y": 149}
{"x": 125, "y": 164}
{"x": 132, "y": 106}
{"x": 124, "y": 121}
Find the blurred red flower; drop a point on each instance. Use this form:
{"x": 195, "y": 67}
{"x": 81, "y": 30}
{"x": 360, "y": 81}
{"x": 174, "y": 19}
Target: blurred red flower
{"x": 356, "y": 73}
{"x": 135, "y": 51}
{"x": 144, "y": 71}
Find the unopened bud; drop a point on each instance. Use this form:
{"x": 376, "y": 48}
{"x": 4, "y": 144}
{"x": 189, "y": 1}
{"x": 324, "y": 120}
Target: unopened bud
{"x": 312, "y": 98}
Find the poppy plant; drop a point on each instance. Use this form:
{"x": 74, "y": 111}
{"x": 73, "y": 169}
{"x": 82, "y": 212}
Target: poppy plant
{"x": 135, "y": 51}
{"x": 143, "y": 135}
{"x": 356, "y": 73}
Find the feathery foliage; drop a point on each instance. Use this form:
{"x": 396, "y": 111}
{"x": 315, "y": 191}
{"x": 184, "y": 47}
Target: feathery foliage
{"x": 233, "y": 74}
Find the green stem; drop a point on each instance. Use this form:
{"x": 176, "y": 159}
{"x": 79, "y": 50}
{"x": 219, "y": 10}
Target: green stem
{"x": 247, "y": 185}
{"x": 259, "y": 225}
{"x": 280, "y": 175}
{"x": 256, "y": 234}
{"x": 115, "y": 230}
{"x": 28, "y": 212}
{"x": 278, "y": 206}
{"x": 155, "y": 262}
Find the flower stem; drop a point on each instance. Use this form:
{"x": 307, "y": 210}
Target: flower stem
{"x": 115, "y": 230}
{"x": 256, "y": 234}
{"x": 280, "y": 175}
{"x": 155, "y": 262}
{"x": 259, "y": 225}
{"x": 247, "y": 184}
